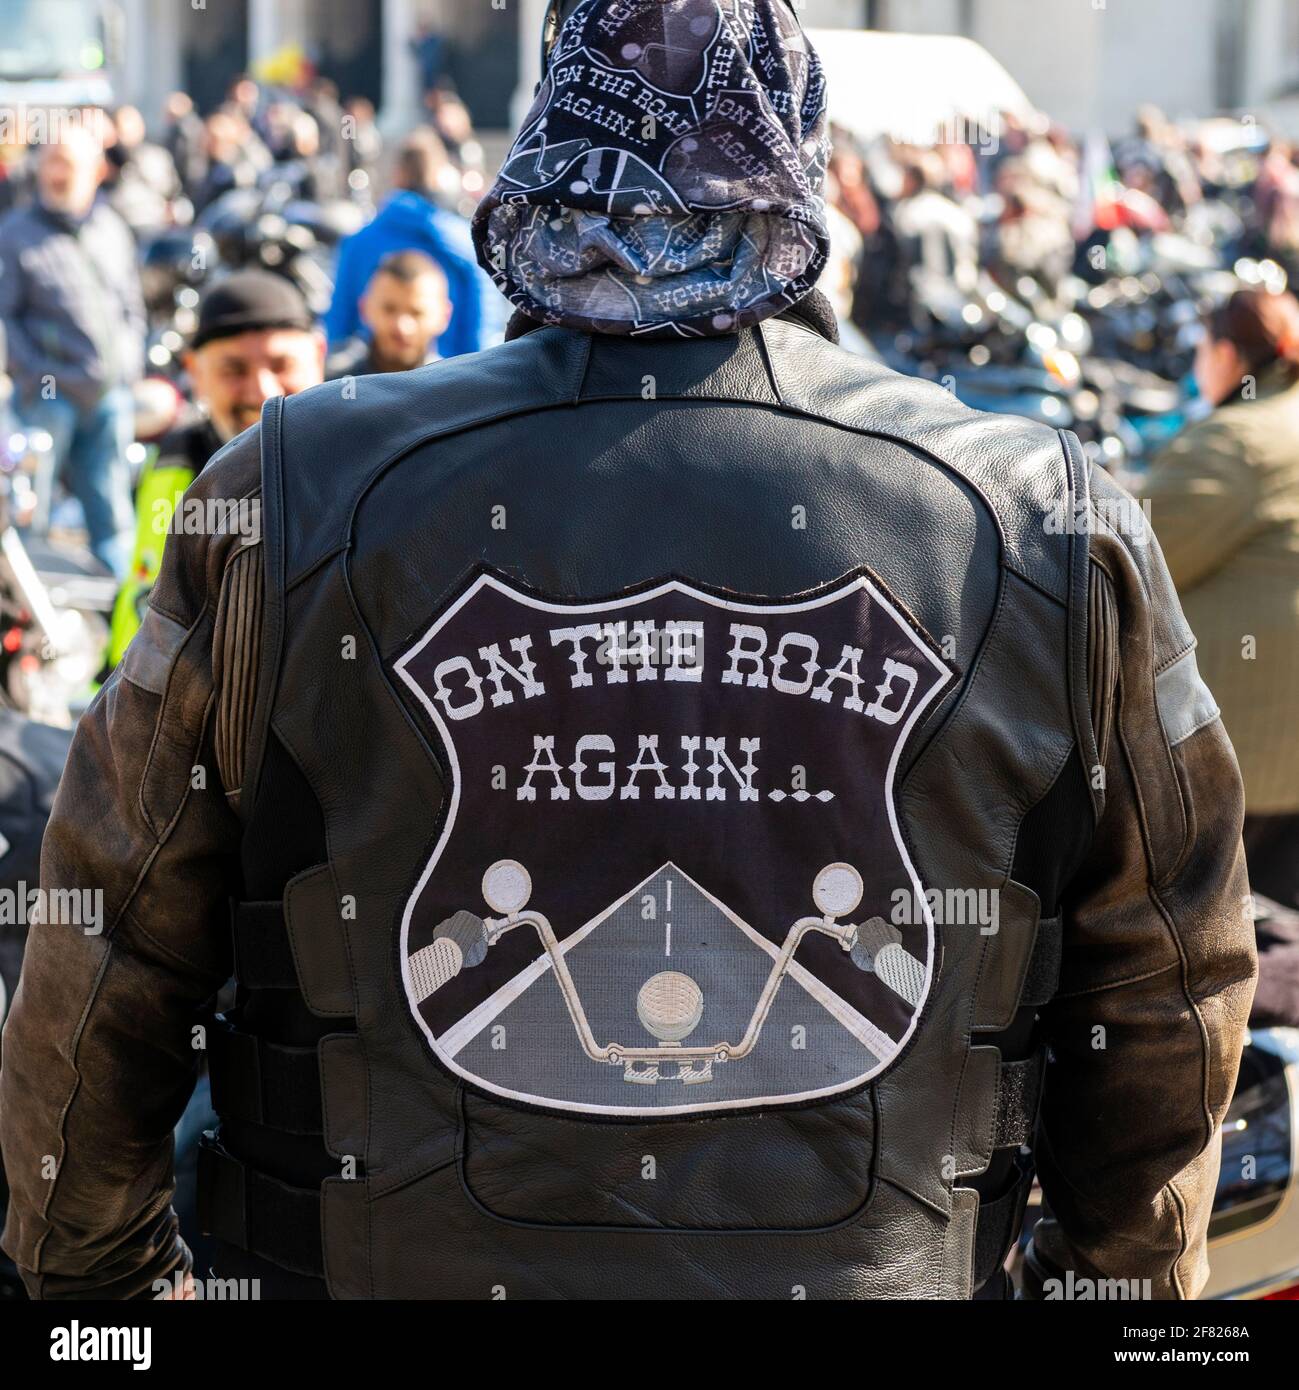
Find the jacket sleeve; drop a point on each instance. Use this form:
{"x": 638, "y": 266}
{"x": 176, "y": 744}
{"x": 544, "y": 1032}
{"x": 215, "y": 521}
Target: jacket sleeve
{"x": 1159, "y": 962}
{"x": 24, "y": 359}
{"x": 102, "y": 1046}
{"x": 1204, "y": 497}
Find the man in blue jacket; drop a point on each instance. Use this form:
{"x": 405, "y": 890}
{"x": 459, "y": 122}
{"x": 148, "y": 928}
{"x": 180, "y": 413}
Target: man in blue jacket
{"x": 411, "y": 220}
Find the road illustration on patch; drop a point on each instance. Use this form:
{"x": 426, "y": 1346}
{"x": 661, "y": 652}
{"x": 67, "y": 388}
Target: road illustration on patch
{"x": 665, "y": 879}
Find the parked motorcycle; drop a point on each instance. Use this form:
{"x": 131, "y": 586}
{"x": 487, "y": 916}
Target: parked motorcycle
{"x": 54, "y": 598}
{"x": 264, "y": 228}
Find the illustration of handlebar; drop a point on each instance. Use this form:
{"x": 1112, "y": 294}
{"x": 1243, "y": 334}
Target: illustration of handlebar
{"x": 669, "y": 1005}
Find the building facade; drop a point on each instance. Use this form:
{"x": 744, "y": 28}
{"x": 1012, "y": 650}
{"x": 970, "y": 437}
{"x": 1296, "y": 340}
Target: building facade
{"x": 1091, "y": 63}
{"x": 372, "y": 48}
{"x": 1088, "y": 63}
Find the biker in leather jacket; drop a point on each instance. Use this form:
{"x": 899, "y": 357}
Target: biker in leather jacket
{"x": 705, "y": 817}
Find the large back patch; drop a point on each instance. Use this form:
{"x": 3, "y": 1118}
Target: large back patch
{"x": 668, "y": 876}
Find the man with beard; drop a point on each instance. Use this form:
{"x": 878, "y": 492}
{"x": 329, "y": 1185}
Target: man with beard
{"x": 405, "y": 309}
{"x": 255, "y": 339}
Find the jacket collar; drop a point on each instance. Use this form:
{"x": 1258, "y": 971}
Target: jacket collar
{"x": 65, "y": 221}
{"x": 1272, "y": 380}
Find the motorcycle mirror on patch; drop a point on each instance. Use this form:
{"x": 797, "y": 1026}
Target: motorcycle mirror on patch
{"x": 507, "y": 886}
{"x": 838, "y": 890}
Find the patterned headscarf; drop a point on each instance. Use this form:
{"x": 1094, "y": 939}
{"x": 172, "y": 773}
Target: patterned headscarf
{"x": 667, "y": 181}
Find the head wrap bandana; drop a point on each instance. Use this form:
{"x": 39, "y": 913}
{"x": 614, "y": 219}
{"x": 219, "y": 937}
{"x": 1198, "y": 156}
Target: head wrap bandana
{"x": 667, "y": 181}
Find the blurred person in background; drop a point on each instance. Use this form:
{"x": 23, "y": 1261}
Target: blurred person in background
{"x": 940, "y": 238}
{"x": 1031, "y": 236}
{"x": 227, "y": 158}
{"x": 301, "y": 162}
{"x": 183, "y": 139}
{"x": 15, "y": 173}
{"x": 142, "y": 182}
{"x": 1224, "y": 503}
{"x": 321, "y": 102}
{"x": 280, "y": 114}
{"x": 244, "y": 99}
{"x": 880, "y": 291}
{"x": 255, "y": 339}
{"x": 1155, "y": 160}
{"x": 431, "y": 56}
{"x": 406, "y": 308}
{"x": 454, "y": 126}
{"x": 1276, "y": 204}
{"x": 842, "y": 268}
{"x": 851, "y": 190}
{"x": 1051, "y": 160}
{"x": 363, "y": 145}
{"x": 1211, "y": 168}
{"x": 414, "y": 220}
{"x": 73, "y": 315}
{"x": 960, "y": 166}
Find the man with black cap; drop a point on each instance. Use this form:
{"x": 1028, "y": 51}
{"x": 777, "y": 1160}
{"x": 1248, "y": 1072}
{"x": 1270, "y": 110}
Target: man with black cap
{"x": 674, "y": 780}
{"x": 255, "y": 339}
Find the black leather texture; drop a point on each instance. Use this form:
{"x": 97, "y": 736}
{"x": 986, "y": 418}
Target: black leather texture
{"x": 616, "y": 463}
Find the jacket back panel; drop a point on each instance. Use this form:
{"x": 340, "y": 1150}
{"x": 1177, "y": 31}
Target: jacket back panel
{"x": 757, "y": 471}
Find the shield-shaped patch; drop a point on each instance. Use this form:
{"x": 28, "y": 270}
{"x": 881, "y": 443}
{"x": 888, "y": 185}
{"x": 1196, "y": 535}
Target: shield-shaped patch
{"x": 668, "y": 877}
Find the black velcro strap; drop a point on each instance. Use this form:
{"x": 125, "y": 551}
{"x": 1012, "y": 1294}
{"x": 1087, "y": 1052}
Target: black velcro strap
{"x": 1018, "y": 1094}
{"x": 257, "y": 1213}
{"x": 998, "y": 1226}
{"x": 263, "y": 957}
{"x": 264, "y": 1083}
{"x": 1043, "y": 978}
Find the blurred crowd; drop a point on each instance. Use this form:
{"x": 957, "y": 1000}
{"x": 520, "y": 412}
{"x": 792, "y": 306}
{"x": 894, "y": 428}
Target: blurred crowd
{"x": 319, "y": 144}
{"x": 1017, "y": 199}
{"x": 111, "y": 233}
{"x": 156, "y": 288}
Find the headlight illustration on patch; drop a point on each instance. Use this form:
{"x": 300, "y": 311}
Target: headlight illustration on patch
{"x": 670, "y": 1005}
{"x": 664, "y": 876}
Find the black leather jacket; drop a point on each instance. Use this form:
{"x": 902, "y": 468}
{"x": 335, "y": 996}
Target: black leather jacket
{"x": 675, "y": 794}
